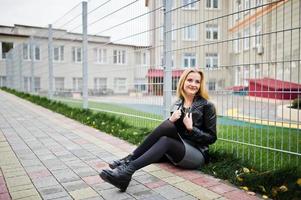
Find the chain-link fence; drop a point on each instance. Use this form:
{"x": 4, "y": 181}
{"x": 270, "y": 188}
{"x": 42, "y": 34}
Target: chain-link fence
{"x": 134, "y": 52}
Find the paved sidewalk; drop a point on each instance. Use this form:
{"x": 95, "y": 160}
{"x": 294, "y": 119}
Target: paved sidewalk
{"x": 44, "y": 155}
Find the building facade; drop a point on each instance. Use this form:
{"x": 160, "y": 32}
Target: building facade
{"x": 112, "y": 68}
{"x": 232, "y": 41}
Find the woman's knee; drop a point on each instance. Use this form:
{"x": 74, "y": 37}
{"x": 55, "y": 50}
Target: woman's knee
{"x": 168, "y": 126}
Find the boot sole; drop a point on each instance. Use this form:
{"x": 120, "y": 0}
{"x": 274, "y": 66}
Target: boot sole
{"x": 107, "y": 178}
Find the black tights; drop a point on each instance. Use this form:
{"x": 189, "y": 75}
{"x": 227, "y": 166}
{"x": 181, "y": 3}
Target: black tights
{"x": 164, "y": 139}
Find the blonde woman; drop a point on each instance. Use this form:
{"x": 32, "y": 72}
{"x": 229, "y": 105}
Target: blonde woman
{"x": 184, "y": 138}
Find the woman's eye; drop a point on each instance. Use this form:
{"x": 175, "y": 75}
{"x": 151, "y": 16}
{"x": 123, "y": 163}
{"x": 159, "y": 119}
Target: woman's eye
{"x": 189, "y": 80}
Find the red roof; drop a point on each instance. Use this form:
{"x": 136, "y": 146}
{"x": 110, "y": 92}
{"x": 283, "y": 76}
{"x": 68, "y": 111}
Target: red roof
{"x": 160, "y": 73}
{"x": 275, "y": 84}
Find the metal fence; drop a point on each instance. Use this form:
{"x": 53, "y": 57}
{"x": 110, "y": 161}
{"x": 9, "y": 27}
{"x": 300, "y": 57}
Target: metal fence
{"x": 126, "y": 59}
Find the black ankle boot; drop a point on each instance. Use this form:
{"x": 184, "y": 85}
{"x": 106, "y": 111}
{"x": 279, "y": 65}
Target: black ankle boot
{"x": 121, "y": 161}
{"x": 119, "y": 177}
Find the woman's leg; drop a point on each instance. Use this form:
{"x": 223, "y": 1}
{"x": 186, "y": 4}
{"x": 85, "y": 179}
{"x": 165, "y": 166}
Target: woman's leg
{"x": 166, "y": 128}
{"x": 165, "y": 145}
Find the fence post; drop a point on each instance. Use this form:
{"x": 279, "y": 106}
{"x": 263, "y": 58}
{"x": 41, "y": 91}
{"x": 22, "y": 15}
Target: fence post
{"x": 50, "y": 62}
{"x": 167, "y": 81}
{"x": 32, "y": 85}
{"x": 85, "y": 54}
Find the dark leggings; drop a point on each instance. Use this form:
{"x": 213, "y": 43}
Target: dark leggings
{"x": 164, "y": 139}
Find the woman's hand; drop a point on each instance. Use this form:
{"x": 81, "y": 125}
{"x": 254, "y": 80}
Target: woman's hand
{"x": 188, "y": 121}
{"x": 175, "y": 116}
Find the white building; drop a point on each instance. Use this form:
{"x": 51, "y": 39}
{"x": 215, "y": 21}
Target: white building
{"x": 112, "y": 67}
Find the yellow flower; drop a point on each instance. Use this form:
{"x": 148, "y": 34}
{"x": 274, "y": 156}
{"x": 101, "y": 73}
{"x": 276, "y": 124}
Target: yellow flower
{"x": 245, "y": 188}
{"x": 283, "y": 188}
{"x": 239, "y": 178}
{"x": 265, "y": 197}
{"x": 245, "y": 170}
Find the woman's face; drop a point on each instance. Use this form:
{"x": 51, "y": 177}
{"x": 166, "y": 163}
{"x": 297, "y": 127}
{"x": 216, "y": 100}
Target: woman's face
{"x": 192, "y": 84}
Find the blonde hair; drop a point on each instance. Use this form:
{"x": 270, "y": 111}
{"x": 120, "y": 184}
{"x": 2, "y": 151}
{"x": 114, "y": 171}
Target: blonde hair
{"x": 202, "y": 91}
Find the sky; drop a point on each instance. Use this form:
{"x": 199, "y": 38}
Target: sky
{"x": 65, "y": 14}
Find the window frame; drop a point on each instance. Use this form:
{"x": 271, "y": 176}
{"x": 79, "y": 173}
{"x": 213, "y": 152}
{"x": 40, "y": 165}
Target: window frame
{"x": 187, "y": 31}
{"x": 189, "y": 57}
{"x": 3, "y": 56}
{"x": 211, "y": 57}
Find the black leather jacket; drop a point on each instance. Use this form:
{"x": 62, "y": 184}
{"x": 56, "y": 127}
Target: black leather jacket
{"x": 203, "y": 132}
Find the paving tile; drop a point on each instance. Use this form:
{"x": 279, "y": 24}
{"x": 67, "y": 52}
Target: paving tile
{"x": 205, "y": 182}
{"x": 115, "y": 194}
{"x": 45, "y": 182}
{"x": 65, "y": 175}
{"x": 161, "y": 174}
{"x": 140, "y": 191}
{"x": 83, "y": 193}
{"x": 21, "y": 187}
{"x": 170, "y": 192}
{"x": 53, "y": 192}
{"x": 146, "y": 178}
{"x": 16, "y": 181}
{"x": 187, "y": 186}
{"x": 188, "y": 197}
{"x": 3, "y": 189}
{"x": 23, "y": 193}
{"x": 204, "y": 194}
{"x": 222, "y": 188}
{"x": 238, "y": 195}
{"x": 92, "y": 180}
{"x": 188, "y": 174}
{"x": 173, "y": 179}
{"x": 39, "y": 174}
{"x": 5, "y": 196}
{"x": 156, "y": 184}
{"x": 75, "y": 185}
{"x": 16, "y": 173}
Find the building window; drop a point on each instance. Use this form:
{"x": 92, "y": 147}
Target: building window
{"x": 189, "y": 60}
{"x": 120, "y": 84}
{"x": 247, "y": 39}
{"x": 28, "y": 82}
{"x": 100, "y": 83}
{"x": 247, "y": 6}
{"x": 144, "y": 58}
{"x": 236, "y": 43}
{"x": 27, "y": 52}
{"x": 58, "y": 53}
{"x": 258, "y": 2}
{"x": 3, "y": 81}
{"x": 237, "y": 9}
{"x": 59, "y": 83}
{"x": 211, "y": 85}
{"x": 77, "y": 54}
{"x": 77, "y": 84}
{"x": 119, "y": 57}
{"x": 211, "y": 60}
{"x": 212, "y": 4}
{"x": 258, "y": 31}
{"x": 211, "y": 31}
{"x": 100, "y": 55}
{"x": 188, "y": 4}
{"x": 189, "y": 32}
{"x": 140, "y": 84}
{"x": 5, "y": 47}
